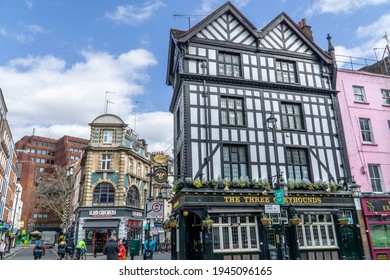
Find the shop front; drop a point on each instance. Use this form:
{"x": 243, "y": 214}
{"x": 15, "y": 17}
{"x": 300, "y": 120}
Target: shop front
{"x": 377, "y": 218}
{"x": 97, "y": 225}
{"x": 248, "y": 225}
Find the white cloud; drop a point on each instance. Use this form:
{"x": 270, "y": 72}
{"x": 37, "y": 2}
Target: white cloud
{"x": 344, "y": 6}
{"x": 46, "y": 94}
{"x": 133, "y": 15}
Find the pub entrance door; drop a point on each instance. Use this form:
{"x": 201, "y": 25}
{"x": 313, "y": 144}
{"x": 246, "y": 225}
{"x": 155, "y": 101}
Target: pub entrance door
{"x": 278, "y": 239}
{"x": 350, "y": 247}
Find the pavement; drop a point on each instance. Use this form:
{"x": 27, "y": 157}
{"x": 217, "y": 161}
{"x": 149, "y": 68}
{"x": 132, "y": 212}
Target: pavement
{"x": 99, "y": 256}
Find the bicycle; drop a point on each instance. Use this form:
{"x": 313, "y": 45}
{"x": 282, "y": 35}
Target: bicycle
{"x": 80, "y": 254}
{"x": 69, "y": 254}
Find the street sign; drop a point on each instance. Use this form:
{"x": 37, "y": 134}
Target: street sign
{"x": 274, "y": 209}
{"x": 279, "y": 197}
{"x": 154, "y": 210}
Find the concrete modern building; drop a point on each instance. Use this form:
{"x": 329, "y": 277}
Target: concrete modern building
{"x": 365, "y": 108}
{"x": 36, "y": 157}
{"x": 257, "y": 139}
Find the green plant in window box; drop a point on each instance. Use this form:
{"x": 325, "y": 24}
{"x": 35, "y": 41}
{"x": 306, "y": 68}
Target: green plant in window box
{"x": 343, "y": 220}
{"x": 295, "y": 220}
{"x": 266, "y": 221}
{"x": 207, "y": 223}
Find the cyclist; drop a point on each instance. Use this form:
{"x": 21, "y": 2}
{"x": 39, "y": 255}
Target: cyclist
{"x": 149, "y": 248}
{"x": 81, "y": 248}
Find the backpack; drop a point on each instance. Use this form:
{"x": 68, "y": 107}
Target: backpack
{"x": 40, "y": 244}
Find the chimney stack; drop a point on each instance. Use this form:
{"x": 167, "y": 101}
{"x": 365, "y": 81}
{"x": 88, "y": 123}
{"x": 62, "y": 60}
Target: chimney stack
{"x": 306, "y": 29}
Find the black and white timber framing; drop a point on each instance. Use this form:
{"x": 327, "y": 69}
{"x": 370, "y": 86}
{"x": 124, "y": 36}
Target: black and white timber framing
{"x": 193, "y": 73}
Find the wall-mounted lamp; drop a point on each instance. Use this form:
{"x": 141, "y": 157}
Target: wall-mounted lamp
{"x": 185, "y": 213}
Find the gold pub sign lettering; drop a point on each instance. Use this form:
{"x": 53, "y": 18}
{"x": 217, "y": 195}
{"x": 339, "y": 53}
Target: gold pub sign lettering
{"x": 266, "y": 199}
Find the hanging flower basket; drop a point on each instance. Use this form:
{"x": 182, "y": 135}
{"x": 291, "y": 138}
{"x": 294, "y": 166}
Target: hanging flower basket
{"x": 207, "y": 223}
{"x": 295, "y": 220}
{"x": 343, "y": 221}
{"x": 266, "y": 221}
{"x": 172, "y": 224}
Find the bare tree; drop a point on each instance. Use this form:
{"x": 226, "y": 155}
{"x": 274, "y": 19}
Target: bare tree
{"x": 53, "y": 192}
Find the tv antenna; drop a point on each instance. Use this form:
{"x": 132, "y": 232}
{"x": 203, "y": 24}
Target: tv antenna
{"x": 106, "y": 101}
{"x": 188, "y": 17}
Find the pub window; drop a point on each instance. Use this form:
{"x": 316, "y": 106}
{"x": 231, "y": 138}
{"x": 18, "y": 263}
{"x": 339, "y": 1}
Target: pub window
{"x": 235, "y": 234}
{"x": 359, "y": 94}
{"x": 297, "y": 164}
{"x": 292, "y": 116}
{"x": 106, "y": 162}
{"x": 235, "y": 163}
{"x": 132, "y": 198}
{"x": 103, "y": 194}
{"x": 229, "y": 64}
{"x": 232, "y": 111}
{"x": 316, "y": 231}
{"x": 107, "y": 136}
{"x": 375, "y": 177}
{"x": 285, "y": 71}
{"x": 386, "y": 96}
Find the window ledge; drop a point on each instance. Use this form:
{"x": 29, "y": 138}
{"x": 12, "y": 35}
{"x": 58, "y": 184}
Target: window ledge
{"x": 105, "y": 170}
{"x": 386, "y": 105}
{"x": 361, "y": 102}
{"x": 369, "y": 144}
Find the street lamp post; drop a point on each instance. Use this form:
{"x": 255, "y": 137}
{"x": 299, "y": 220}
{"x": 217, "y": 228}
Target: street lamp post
{"x": 271, "y": 124}
{"x": 149, "y": 199}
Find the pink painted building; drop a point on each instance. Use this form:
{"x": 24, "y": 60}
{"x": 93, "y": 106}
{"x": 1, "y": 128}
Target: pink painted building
{"x": 364, "y": 100}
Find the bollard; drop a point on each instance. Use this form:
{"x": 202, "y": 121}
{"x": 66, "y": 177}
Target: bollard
{"x": 132, "y": 253}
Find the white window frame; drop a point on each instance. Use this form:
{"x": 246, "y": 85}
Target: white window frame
{"x": 313, "y": 223}
{"x": 366, "y": 131}
{"x": 106, "y": 162}
{"x": 231, "y": 223}
{"x": 386, "y": 96}
{"x": 377, "y": 179}
{"x": 359, "y": 94}
{"x": 108, "y": 136}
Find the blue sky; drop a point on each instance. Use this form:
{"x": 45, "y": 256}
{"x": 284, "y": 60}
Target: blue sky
{"x": 59, "y": 57}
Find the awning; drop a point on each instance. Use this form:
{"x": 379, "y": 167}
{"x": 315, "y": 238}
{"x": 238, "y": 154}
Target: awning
{"x": 99, "y": 224}
{"x": 317, "y": 211}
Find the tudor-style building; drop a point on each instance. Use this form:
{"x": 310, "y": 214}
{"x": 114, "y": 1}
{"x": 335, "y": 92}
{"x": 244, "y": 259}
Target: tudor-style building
{"x": 250, "y": 107}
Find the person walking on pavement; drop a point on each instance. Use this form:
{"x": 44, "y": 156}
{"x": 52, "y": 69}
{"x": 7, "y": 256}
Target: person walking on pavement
{"x": 111, "y": 249}
{"x": 122, "y": 250}
{"x": 149, "y": 248}
{"x": 70, "y": 247}
{"x": 3, "y": 245}
{"x": 125, "y": 243}
{"x": 61, "y": 249}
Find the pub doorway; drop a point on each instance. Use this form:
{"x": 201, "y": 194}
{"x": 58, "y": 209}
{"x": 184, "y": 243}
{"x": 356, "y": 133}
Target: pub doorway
{"x": 194, "y": 238}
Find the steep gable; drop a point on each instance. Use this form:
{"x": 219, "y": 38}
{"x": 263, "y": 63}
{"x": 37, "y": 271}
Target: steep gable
{"x": 227, "y": 28}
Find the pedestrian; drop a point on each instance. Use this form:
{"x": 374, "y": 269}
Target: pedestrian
{"x": 70, "y": 247}
{"x": 122, "y": 250}
{"x": 125, "y": 243}
{"x": 61, "y": 249}
{"x": 149, "y": 247}
{"x": 111, "y": 249}
{"x": 3, "y": 245}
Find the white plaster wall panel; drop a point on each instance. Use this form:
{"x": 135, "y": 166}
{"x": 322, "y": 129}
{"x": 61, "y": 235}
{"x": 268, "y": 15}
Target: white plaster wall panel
{"x": 247, "y": 73}
{"x": 195, "y": 159}
{"x": 336, "y": 142}
{"x": 194, "y": 133}
{"x": 303, "y": 140}
{"x": 264, "y": 174}
{"x": 322, "y": 110}
{"x": 256, "y": 93}
{"x": 257, "y": 104}
{"x": 202, "y": 51}
{"x": 325, "y": 127}
{"x": 331, "y": 163}
{"x": 295, "y": 139}
{"x": 243, "y": 136}
{"x": 310, "y": 80}
{"x": 225, "y": 134}
{"x": 192, "y": 50}
{"x": 270, "y": 62}
{"x": 272, "y": 75}
{"x": 290, "y": 97}
{"x": 234, "y": 135}
{"x": 245, "y": 59}
{"x": 253, "y": 153}
{"x": 193, "y": 88}
{"x": 262, "y": 154}
{"x": 255, "y": 74}
{"x": 287, "y": 138}
{"x": 314, "y": 110}
{"x": 193, "y": 99}
{"x": 311, "y": 140}
{"x": 317, "y": 126}
{"x": 213, "y": 68}
{"x": 192, "y": 66}
{"x": 204, "y": 155}
{"x": 249, "y": 104}
{"x": 307, "y": 109}
{"x": 302, "y": 79}
{"x": 338, "y": 155}
{"x": 202, "y": 120}
{"x": 263, "y": 61}
{"x": 281, "y": 154}
{"x": 194, "y": 116}
{"x": 259, "y": 118}
{"x": 214, "y": 100}
{"x": 203, "y": 133}
{"x": 327, "y": 141}
{"x": 260, "y": 137}
{"x": 240, "y": 92}
{"x": 255, "y": 171}
{"x": 252, "y": 137}
{"x": 215, "y": 133}
{"x": 301, "y": 66}
{"x": 217, "y": 162}
{"x": 319, "y": 141}
{"x": 314, "y": 163}
{"x": 264, "y": 75}
{"x": 251, "y": 123}
{"x": 214, "y": 117}
{"x": 318, "y": 81}
{"x": 212, "y": 54}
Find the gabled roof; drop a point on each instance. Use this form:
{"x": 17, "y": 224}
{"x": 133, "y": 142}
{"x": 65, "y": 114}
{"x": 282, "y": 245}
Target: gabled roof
{"x": 226, "y": 8}
{"x": 283, "y": 33}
